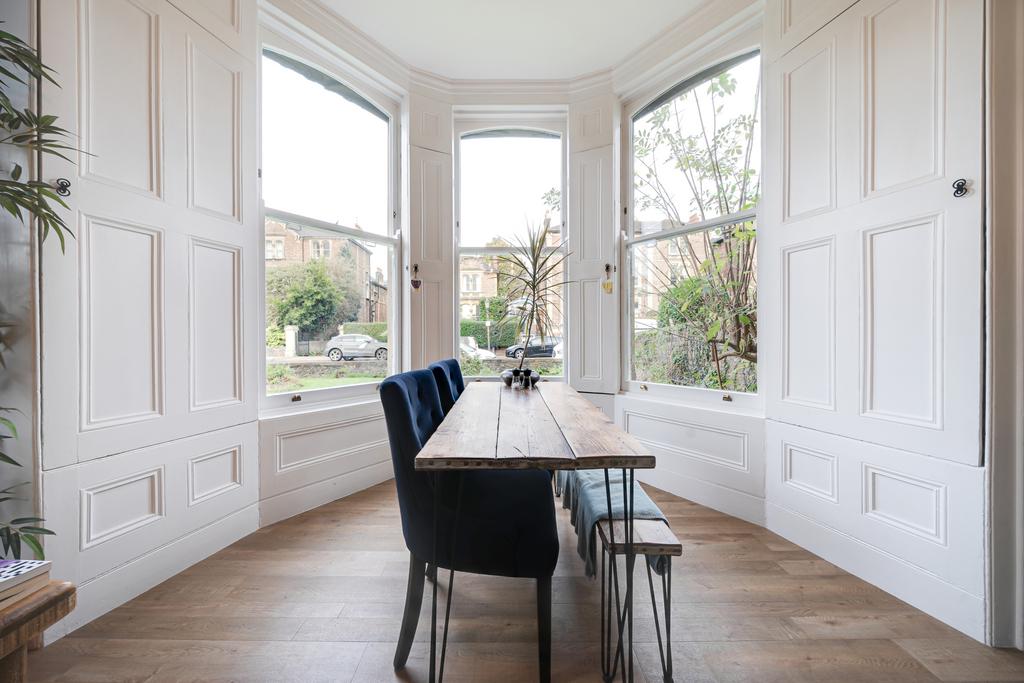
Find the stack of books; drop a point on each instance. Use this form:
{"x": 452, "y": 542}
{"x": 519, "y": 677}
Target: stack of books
{"x": 19, "y": 578}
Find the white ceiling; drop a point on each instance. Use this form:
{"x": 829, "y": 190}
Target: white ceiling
{"x": 527, "y": 39}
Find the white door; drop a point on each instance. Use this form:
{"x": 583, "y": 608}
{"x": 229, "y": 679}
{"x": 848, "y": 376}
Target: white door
{"x": 148, "y": 318}
{"x": 875, "y": 327}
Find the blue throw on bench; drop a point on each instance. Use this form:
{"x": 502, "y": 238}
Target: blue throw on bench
{"x": 583, "y": 493}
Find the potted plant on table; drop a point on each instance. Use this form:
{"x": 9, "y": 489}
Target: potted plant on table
{"x": 534, "y": 294}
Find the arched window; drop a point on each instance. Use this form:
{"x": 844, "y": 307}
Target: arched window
{"x": 692, "y": 247}
{"x": 326, "y": 173}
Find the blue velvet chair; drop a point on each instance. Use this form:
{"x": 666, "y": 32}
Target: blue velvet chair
{"x": 450, "y": 384}
{"x": 506, "y": 519}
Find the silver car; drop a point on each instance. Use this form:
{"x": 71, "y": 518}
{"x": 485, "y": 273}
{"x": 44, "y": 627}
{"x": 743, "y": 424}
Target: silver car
{"x": 349, "y": 346}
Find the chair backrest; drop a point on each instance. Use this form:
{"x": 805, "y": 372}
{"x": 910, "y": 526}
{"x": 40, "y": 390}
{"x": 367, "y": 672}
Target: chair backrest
{"x": 450, "y": 384}
{"x": 412, "y": 410}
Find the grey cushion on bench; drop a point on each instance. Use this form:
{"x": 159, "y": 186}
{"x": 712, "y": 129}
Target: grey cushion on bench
{"x": 585, "y": 497}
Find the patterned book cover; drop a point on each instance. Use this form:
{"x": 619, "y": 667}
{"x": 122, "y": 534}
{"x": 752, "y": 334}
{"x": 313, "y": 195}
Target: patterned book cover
{"x": 13, "y": 572}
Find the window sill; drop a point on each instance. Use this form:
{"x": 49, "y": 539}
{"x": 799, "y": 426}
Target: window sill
{"x": 281, "y": 405}
{"x": 734, "y": 403}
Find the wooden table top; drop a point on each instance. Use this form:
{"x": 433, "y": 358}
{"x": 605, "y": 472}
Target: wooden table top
{"x": 551, "y": 427}
{"x": 34, "y": 613}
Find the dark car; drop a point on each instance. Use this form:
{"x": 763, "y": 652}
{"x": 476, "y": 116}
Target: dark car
{"x": 537, "y": 348}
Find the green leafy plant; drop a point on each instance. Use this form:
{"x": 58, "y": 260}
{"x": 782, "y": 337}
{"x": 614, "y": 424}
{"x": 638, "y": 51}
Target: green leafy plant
{"x": 25, "y": 199}
{"x": 533, "y": 269}
{"x": 34, "y": 132}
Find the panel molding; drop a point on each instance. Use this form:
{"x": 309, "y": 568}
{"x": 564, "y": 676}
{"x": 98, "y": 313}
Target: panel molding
{"x": 195, "y": 404}
{"x": 281, "y": 439}
{"x": 192, "y": 53}
{"x": 196, "y": 496}
{"x": 743, "y": 465}
{"x": 88, "y": 419}
{"x": 91, "y": 537}
{"x": 85, "y": 104}
{"x": 831, "y": 494}
{"x": 786, "y": 254}
{"x": 935, "y": 532}
{"x": 787, "y": 136}
{"x": 934, "y": 420}
{"x": 870, "y": 186}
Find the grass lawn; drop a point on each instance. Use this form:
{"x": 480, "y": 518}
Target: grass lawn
{"x": 299, "y": 384}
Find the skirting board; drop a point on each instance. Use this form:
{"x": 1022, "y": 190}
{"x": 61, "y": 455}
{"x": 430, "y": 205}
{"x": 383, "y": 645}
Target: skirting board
{"x": 730, "y": 501}
{"x": 925, "y": 591}
{"x": 291, "y": 503}
{"x": 110, "y": 590}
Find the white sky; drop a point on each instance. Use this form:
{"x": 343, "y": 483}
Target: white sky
{"x": 502, "y": 183}
{"x": 323, "y": 156}
{"x": 740, "y": 102}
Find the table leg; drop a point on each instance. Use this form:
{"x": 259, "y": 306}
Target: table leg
{"x": 627, "y": 509}
{"x": 451, "y": 581}
{"x": 433, "y": 598}
{"x": 14, "y": 667}
{"x": 609, "y": 664}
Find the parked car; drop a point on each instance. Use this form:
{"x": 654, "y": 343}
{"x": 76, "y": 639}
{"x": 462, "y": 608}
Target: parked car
{"x": 537, "y": 348}
{"x": 349, "y": 346}
{"x": 475, "y": 351}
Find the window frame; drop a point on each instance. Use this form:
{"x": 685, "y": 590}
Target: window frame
{"x": 549, "y": 122}
{"x": 739, "y": 402}
{"x": 292, "y": 402}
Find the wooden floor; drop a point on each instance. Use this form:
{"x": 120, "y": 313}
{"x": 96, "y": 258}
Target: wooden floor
{"x": 319, "y": 598}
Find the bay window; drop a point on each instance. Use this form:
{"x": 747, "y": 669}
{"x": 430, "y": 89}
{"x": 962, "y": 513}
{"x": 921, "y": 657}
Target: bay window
{"x": 330, "y": 257}
{"x": 692, "y": 243}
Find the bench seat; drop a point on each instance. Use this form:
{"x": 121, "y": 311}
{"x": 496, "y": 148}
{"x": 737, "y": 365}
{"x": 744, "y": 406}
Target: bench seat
{"x": 650, "y": 537}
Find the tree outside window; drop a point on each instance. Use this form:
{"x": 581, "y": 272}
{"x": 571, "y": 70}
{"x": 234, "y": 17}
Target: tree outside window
{"x": 696, "y": 163}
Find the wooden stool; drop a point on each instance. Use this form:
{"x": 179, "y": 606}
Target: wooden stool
{"x": 22, "y": 624}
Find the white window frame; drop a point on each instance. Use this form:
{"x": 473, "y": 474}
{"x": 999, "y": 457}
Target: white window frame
{"x": 332, "y": 65}
{"x": 739, "y": 402}
{"x": 554, "y": 122}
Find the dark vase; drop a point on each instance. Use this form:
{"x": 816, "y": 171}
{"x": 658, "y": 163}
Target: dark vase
{"x": 506, "y": 377}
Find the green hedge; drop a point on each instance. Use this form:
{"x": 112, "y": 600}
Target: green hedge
{"x": 378, "y": 331}
{"x": 503, "y": 334}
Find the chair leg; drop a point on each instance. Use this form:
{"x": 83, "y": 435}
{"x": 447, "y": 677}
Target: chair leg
{"x": 544, "y": 627}
{"x": 411, "y": 617}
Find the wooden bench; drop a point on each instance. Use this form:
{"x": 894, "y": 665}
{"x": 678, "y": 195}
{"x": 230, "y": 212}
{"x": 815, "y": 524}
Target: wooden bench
{"x": 651, "y": 538}
{"x": 23, "y": 623}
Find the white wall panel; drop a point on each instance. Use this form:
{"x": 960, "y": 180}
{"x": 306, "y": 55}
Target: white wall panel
{"x": 429, "y": 123}
{"x": 122, "y": 308}
{"x": 214, "y": 130}
{"x": 110, "y": 511}
{"x": 808, "y": 341}
{"x": 789, "y": 22}
{"x": 902, "y": 323}
{"x": 215, "y": 322}
{"x": 312, "y": 457}
{"x": 903, "y": 92}
{"x": 809, "y": 173}
{"x": 921, "y": 514}
{"x": 713, "y": 457}
{"x": 231, "y": 21}
{"x": 120, "y": 82}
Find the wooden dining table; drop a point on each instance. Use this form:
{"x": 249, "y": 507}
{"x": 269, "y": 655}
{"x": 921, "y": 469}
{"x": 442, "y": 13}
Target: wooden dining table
{"x": 551, "y": 427}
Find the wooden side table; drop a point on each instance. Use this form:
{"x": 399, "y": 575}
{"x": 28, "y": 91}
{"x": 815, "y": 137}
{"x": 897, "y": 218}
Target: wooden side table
{"x": 24, "y": 622}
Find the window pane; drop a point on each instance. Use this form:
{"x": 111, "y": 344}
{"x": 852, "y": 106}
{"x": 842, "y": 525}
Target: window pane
{"x": 323, "y": 286}
{"x": 695, "y": 309}
{"x": 494, "y": 317}
{"x": 325, "y": 156}
{"x": 505, "y": 185}
{"x": 697, "y": 156}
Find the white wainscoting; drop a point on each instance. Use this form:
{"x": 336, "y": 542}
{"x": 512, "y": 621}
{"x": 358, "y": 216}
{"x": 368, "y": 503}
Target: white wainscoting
{"x": 313, "y": 457}
{"x": 715, "y": 458}
{"x": 905, "y": 522}
{"x": 126, "y": 522}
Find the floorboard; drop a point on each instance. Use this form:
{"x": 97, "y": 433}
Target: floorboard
{"x": 318, "y": 597}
